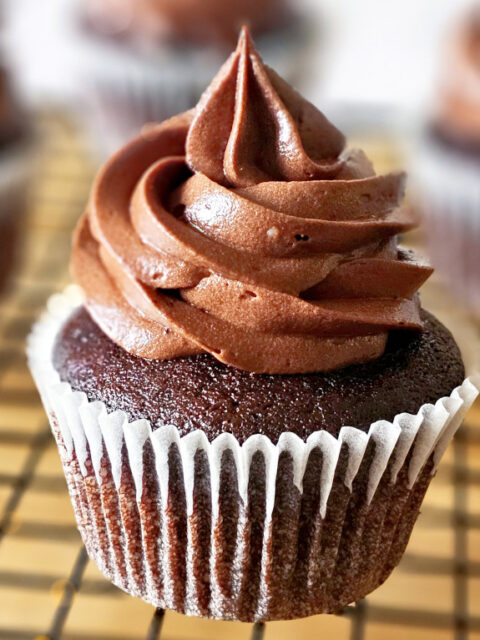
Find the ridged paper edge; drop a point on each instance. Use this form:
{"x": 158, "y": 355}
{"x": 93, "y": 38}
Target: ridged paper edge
{"x": 86, "y": 431}
{"x": 432, "y": 427}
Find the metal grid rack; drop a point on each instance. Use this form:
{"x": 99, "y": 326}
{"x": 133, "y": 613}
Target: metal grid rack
{"x": 49, "y": 590}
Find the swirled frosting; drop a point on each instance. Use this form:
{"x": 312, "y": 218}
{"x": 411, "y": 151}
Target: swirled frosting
{"x": 245, "y": 230}
{"x": 458, "y": 108}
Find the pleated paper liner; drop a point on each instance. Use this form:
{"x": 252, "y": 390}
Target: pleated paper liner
{"x": 258, "y": 531}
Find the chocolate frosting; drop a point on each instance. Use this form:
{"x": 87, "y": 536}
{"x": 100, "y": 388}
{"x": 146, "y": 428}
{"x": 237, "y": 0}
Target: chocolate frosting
{"x": 458, "y": 108}
{"x": 244, "y": 229}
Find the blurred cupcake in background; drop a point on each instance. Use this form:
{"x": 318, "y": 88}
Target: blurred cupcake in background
{"x": 448, "y": 165}
{"x": 205, "y": 21}
{"x": 15, "y": 170}
{"x": 140, "y": 61}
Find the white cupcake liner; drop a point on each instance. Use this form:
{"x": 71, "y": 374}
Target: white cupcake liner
{"x": 257, "y": 531}
{"x": 448, "y": 188}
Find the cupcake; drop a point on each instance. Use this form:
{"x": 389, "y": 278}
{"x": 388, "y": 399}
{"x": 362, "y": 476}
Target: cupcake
{"x": 448, "y": 166}
{"x": 207, "y": 22}
{"x": 15, "y": 169}
{"x": 138, "y": 62}
{"x": 248, "y": 400}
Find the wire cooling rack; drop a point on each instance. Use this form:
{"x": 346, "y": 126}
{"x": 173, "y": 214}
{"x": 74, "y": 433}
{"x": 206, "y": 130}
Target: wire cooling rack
{"x": 49, "y": 590}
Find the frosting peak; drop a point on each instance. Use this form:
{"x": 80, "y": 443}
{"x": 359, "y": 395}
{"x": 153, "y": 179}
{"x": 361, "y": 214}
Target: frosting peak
{"x": 250, "y": 126}
{"x": 242, "y": 229}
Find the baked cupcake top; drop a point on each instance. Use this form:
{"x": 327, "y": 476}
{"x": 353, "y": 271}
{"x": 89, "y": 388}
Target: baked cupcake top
{"x": 458, "y": 108}
{"x": 204, "y": 21}
{"x": 245, "y": 229}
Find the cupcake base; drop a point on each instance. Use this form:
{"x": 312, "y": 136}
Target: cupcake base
{"x": 252, "y": 531}
{"x": 244, "y": 566}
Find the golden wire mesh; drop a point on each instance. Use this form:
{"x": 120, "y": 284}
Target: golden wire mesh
{"x": 48, "y": 587}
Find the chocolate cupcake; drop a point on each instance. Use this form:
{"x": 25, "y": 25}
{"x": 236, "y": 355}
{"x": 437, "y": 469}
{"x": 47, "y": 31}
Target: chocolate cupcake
{"x": 448, "y": 165}
{"x": 145, "y": 61}
{"x": 210, "y": 22}
{"x": 244, "y": 301}
{"x": 15, "y": 171}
